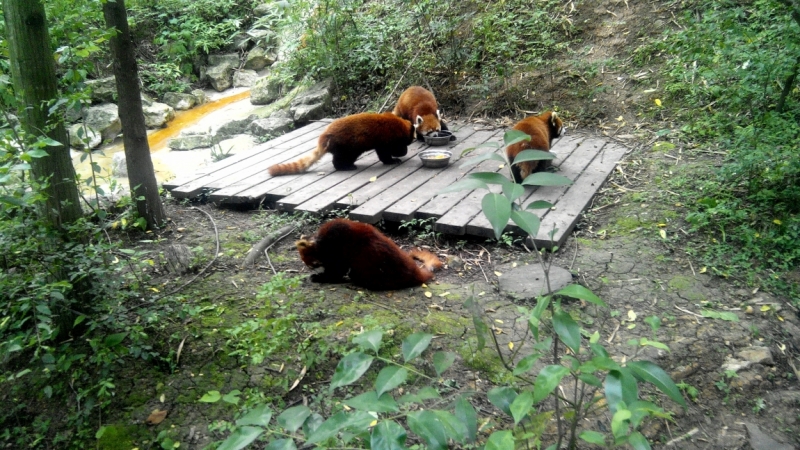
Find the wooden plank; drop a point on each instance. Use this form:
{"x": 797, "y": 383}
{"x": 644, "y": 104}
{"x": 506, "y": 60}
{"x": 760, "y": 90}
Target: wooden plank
{"x": 579, "y": 195}
{"x": 373, "y": 198}
{"x": 213, "y": 167}
{"x": 228, "y": 175}
{"x": 406, "y": 208}
{"x": 570, "y": 164}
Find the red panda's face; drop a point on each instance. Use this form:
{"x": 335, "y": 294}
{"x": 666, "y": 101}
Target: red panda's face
{"x": 428, "y": 124}
{"x": 307, "y": 251}
{"x": 557, "y": 125}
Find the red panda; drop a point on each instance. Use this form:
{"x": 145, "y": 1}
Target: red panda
{"x": 542, "y": 129}
{"x": 347, "y": 138}
{"x": 418, "y": 105}
{"x": 373, "y": 260}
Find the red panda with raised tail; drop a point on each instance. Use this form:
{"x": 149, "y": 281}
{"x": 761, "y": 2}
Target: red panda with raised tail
{"x": 542, "y": 129}
{"x": 418, "y": 105}
{"x": 350, "y": 136}
{"x": 371, "y": 259}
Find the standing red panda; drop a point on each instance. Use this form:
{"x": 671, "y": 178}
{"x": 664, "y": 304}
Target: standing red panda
{"x": 347, "y": 138}
{"x": 542, "y": 129}
{"x": 418, "y": 105}
{"x": 373, "y": 260}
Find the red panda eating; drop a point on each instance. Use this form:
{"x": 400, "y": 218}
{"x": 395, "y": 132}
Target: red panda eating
{"x": 418, "y": 105}
{"x": 371, "y": 259}
{"x": 348, "y": 137}
{"x": 542, "y": 130}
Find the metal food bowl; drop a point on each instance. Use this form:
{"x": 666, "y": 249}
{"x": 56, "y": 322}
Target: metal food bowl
{"x": 439, "y": 138}
{"x": 435, "y": 158}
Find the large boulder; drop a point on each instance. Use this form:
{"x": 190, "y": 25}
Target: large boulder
{"x": 231, "y": 59}
{"x": 246, "y": 78}
{"x": 263, "y": 9}
{"x": 266, "y": 90}
{"x": 200, "y": 96}
{"x": 271, "y": 126}
{"x": 192, "y": 138}
{"x": 312, "y": 104}
{"x": 119, "y": 165}
{"x": 258, "y": 58}
{"x": 180, "y": 101}
{"x": 156, "y": 115}
{"x": 235, "y": 127}
{"x": 82, "y": 136}
{"x": 103, "y": 90}
{"x": 219, "y": 76}
{"x": 105, "y": 119}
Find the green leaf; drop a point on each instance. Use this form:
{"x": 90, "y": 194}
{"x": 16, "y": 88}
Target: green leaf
{"x": 654, "y": 322}
{"x": 100, "y": 432}
{"x": 210, "y": 397}
{"x": 232, "y": 397}
{"x": 500, "y": 440}
{"x": 388, "y": 435}
{"x": 350, "y": 369}
{"x": 650, "y": 372}
{"x": 358, "y": 420}
{"x": 525, "y": 364}
{"x": 547, "y": 381}
{"x": 389, "y": 378}
{"x": 656, "y": 344}
{"x": 490, "y": 178}
{"x": 502, "y": 397}
{"x": 259, "y": 415}
{"x": 638, "y": 441}
{"x": 415, "y": 344}
{"x": 533, "y": 155}
{"x": 539, "y": 204}
{"x": 427, "y": 426}
{"x": 481, "y": 158}
{"x": 369, "y": 340}
{"x": 428, "y": 393}
{"x": 294, "y": 417}
{"x": 534, "y": 319}
{"x": 568, "y": 330}
{"x": 619, "y": 423}
{"x": 312, "y": 423}
{"x": 466, "y": 184}
{"x": 453, "y": 428}
{"x": 620, "y": 386}
{"x": 40, "y": 153}
{"x": 593, "y": 437}
{"x": 590, "y": 379}
{"x": 497, "y": 209}
{"x": 281, "y": 444}
{"x": 467, "y": 415}
{"x": 513, "y": 191}
{"x": 511, "y": 137}
{"x": 481, "y": 329}
{"x": 113, "y": 340}
{"x": 528, "y": 221}
{"x": 722, "y": 315}
{"x": 442, "y": 361}
{"x": 369, "y": 401}
{"x": 546, "y": 179}
{"x": 521, "y": 405}
{"x": 581, "y": 293}
{"x": 241, "y": 438}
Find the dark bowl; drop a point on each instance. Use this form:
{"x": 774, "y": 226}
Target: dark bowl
{"x": 438, "y": 138}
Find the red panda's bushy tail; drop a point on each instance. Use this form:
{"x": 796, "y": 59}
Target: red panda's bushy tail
{"x": 301, "y": 164}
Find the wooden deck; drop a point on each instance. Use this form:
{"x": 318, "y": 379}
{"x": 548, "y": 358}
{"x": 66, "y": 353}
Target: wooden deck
{"x": 404, "y": 191}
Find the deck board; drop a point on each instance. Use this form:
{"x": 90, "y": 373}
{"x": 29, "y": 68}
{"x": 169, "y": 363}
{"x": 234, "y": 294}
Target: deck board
{"x": 399, "y": 192}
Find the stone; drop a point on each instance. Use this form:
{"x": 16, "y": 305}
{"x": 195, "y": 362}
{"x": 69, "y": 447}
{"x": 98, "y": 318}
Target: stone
{"x": 271, "y": 126}
{"x": 200, "y": 96}
{"x": 311, "y": 104}
{"x": 105, "y": 119}
{"x": 178, "y": 258}
{"x": 75, "y": 114}
{"x": 756, "y": 355}
{"x": 266, "y": 90}
{"x": 232, "y": 59}
{"x": 146, "y": 99}
{"x": 239, "y": 42}
{"x": 302, "y": 114}
{"x": 245, "y": 78}
{"x": 219, "y": 76}
{"x": 156, "y": 115}
{"x": 262, "y": 9}
{"x": 760, "y": 440}
{"x": 192, "y": 138}
{"x": 258, "y": 58}
{"x": 235, "y": 127}
{"x": 180, "y": 101}
{"x": 528, "y": 282}
{"x": 103, "y": 90}
{"x": 79, "y": 134}
{"x": 119, "y": 165}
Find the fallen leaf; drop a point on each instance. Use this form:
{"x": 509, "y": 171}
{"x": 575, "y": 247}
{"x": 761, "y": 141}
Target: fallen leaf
{"x": 498, "y": 273}
{"x": 156, "y": 417}
{"x": 658, "y": 101}
{"x": 511, "y": 346}
{"x": 162, "y": 398}
{"x": 339, "y": 323}
{"x": 702, "y": 270}
{"x": 294, "y": 385}
{"x": 435, "y": 306}
{"x": 444, "y": 294}
{"x": 428, "y": 294}
{"x": 373, "y": 179}
{"x": 663, "y": 234}
{"x": 765, "y": 308}
{"x": 631, "y": 315}
{"x": 424, "y": 286}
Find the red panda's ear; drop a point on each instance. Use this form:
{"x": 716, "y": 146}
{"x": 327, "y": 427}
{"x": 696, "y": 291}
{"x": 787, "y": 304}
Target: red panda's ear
{"x": 419, "y": 120}
{"x": 438, "y": 115}
{"x": 553, "y": 118}
{"x": 302, "y": 243}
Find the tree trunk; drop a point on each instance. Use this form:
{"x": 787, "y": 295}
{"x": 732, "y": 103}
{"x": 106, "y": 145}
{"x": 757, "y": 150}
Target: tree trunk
{"x": 34, "y": 74}
{"x": 142, "y": 177}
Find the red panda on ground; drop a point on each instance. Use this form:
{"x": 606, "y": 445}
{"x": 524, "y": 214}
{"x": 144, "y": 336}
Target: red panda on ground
{"x": 542, "y": 129}
{"x": 347, "y": 138}
{"x": 372, "y": 260}
{"x": 418, "y": 105}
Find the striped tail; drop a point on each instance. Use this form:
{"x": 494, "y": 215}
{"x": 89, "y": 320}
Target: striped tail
{"x": 303, "y": 163}
{"x": 429, "y": 261}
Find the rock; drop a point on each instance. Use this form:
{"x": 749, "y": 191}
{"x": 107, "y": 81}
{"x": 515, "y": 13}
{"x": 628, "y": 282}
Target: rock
{"x": 232, "y": 59}
{"x": 760, "y": 440}
{"x": 103, "y": 90}
{"x": 245, "y": 78}
{"x": 235, "y": 127}
{"x": 266, "y": 90}
{"x": 146, "y": 100}
{"x": 119, "y": 166}
{"x": 258, "y": 58}
{"x": 105, "y": 119}
{"x": 756, "y": 355}
{"x": 528, "y": 282}
{"x": 156, "y": 115}
{"x": 178, "y": 258}
{"x": 180, "y": 101}
{"x": 793, "y": 331}
{"x": 73, "y": 115}
{"x": 219, "y": 76}
{"x": 302, "y": 114}
{"x": 734, "y": 365}
{"x": 239, "y": 42}
{"x": 199, "y": 96}
{"x": 263, "y": 9}
{"x": 192, "y": 138}
{"x": 80, "y": 133}
{"x": 272, "y": 126}
{"x": 312, "y": 104}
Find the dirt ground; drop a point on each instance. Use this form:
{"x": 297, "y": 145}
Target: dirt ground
{"x": 617, "y": 250}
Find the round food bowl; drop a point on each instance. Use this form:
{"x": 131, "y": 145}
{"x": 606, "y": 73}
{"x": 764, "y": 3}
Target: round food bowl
{"x": 439, "y": 138}
{"x": 435, "y": 158}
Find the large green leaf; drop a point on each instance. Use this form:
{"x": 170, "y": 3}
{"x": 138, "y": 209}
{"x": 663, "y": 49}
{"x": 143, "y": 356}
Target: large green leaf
{"x": 528, "y": 221}
{"x": 210, "y": 397}
{"x": 369, "y": 340}
{"x": 312, "y": 423}
{"x": 513, "y": 191}
{"x": 481, "y": 158}
{"x": 241, "y": 438}
{"x": 467, "y": 415}
{"x": 638, "y": 441}
{"x": 415, "y": 344}
{"x": 525, "y": 364}
{"x": 281, "y": 444}
{"x": 619, "y": 423}
{"x": 547, "y": 381}
{"x": 581, "y": 293}
{"x": 539, "y": 204}
{"x": 369, "y": 401}
{"x": 389, "y": 378}
{"x": 500, "y": 440}
{"x": 466, "y": 184}
{"x": 497, "y": 209}
{"x": 427, "y": 426}
{"x": 521, "y": 406}
{"x": 567, "y": 330}
{"x": 259, "y": 415}
{"x": 620, "y": 386}
{"x": 535, "y": 317}
{"x": 546, "y": 179}
{"x": 490, "y": 178}
{"x": 113, "y": 340}
{"x": 350, "y": 369}
{"x": 453, "y": 428}
{"x": 593, "y": 437}
{"x": 511, "y": 137}
{"x": 533, "y": 155}
{"x": 388, "y": 435}
{"x": 442, "y": 361}
{"x": 650, "y": 372}
{"x": 358, "y": 420}
{"x": 502, "y": 397}
{"x": 293, "y": 418}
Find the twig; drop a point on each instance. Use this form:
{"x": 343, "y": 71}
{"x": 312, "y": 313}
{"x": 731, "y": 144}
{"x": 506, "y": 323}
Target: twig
{"x": 613, "y": 333}
{"x": 688, "y": 312}
{"x": 216, "y": 236}
{"x": 692, "y": 267}
{"x": 574, "y": 255}
{"x": 484, "y": 273}
{"x": 265, "y": 244}
{"x": 691, "y": 433}
{"x": 269, "y": 261}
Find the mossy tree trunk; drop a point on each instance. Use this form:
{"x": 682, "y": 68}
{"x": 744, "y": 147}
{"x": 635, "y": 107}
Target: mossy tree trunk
{"x": 34, "y": 76}
{"x": 142, "y": 177}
